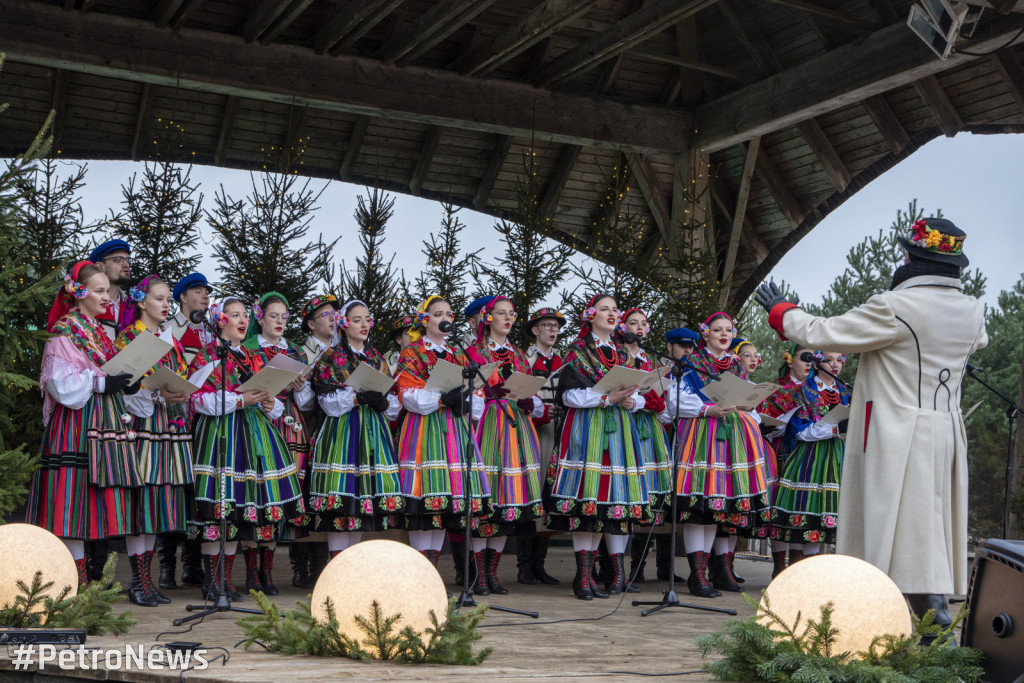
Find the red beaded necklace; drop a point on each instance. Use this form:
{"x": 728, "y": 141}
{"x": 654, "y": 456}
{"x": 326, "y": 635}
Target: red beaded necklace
{"x": 830, "y": 396}
{"x": 503, "y": 356}
{"x": 722, "y": 364}
{"x": 607, "y": 362}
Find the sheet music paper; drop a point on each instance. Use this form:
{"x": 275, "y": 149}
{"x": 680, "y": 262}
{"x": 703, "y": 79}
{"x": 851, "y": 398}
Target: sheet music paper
{"x": 275, "y": 375}
{"x": 656, "y": 381}
{"x": 620, "y": 376}
{"x": 730, "y": 390}
{"x": 521, "y": 385}
{"x": 445, "y": 375}
{"x": 165, "y": 378}
{"x": 138, "y": 357}
{"x": 836, "y": 415}
{"x": 368, "y": 378}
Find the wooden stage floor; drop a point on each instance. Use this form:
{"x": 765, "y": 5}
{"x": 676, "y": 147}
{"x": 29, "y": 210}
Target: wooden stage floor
{"x": 524, "y": 649}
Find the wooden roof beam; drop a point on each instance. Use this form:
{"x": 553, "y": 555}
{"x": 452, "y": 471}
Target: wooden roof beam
{"x": 884, "y": 60}
{"x": 439, "y": 22}
{"x": 202, "y": 60}
{"x": 536, "y": 25}
{"x": 777, "y": 185}
{"x": 826, "y": 154}
{"x": 739, "y": 216}
{"x": 1008, "y": 66}
{"x": 284, "y": 21}
{"x": 754, "y": 243}
{"x": 58, "y": 99}
{"x": 427, "y": 152}
{"x": 227, "y": 124}
{"x": 260, "y": 19}
{"x": 620, "y": 37}
{"x": 887, "y": 122}
{"x": 654, "y": 195}
{"x": 165, "y": 11}
{"x": 140, "y": 120}
{"x": 185, "y": 14}
{"x": 883, "y": 11}
{"x": 692, "y": 64}
{"x": 351, "y": 24}
{"x": 939, "y": 104}
{"x": 825, "y": 13}
{"x": 355, "y": 142}
{"x": 558, "y": 180}
{"x": 502, "y": 146}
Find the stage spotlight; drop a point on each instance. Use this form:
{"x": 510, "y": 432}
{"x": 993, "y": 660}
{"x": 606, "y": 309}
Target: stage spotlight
{"x": 27, "y": 549}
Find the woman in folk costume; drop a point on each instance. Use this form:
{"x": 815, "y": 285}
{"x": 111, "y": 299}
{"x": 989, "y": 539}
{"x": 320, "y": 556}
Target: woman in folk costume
{"x": 750, "y": 359}
{"x": 354, "y": 484}
{"x": 435, "y": 438}
{"x": 399, "y": 337}
{"x": 163, "y": 440}
{"x": 82, "y": 486}
{"x": 262, "y": 487}
{"x": 265, "y": 338}
{"x": 722, "y": 481}
{"x": 600, "y": 483}
{"x": 510, "y": 450}
{"x": 805, "y": 507}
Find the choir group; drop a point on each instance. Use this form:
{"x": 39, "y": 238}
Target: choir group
{"x": 320, "y": 463}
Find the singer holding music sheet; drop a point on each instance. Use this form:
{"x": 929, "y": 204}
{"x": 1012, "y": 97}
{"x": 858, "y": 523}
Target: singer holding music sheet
{"x": 435, "y": 438}
{"x": 723, "y": 480}
{"x": 600, "y": 483}
{"x": 262, "y": 487}
{"x": 354, "y": 485}
{"x": 904, "y": 499}
{"x": 510, "y": 449}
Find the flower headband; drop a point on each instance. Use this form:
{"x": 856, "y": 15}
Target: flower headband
{"x": 138, "y": 292}
{"x": 217, "y": 310}
{"x": 935, "y": 241}
{"x": 705, "y": 326}
{"x": 422, "y": 316}
{"x": 69, "y": 290}
{"x": 621, "y": 327}
{"x": 136, "y": 295}
{"x": 75, "y": 288}
{"x": 589, "y": 314}
{"x": 343, "y": 321}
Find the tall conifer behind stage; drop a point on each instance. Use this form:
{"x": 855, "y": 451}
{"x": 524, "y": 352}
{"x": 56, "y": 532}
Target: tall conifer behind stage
{"x": 262, "y": 242}
{"x": 448, "y": 269}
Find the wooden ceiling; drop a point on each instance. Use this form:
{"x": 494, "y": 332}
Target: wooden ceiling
{"x": 763, "y": 114}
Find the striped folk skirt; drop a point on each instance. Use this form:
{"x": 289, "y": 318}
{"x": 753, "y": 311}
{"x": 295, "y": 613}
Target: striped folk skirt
{"x": 600, "y": 482}
{"x": 292, "y": 426}
{"x": 164, "y": 443}
{"x": 86, "y": 479}
{"x": 652, "y": 443}
{"x": 806, "y": 505}
{"x": 354, "y": 484}
{"x": 511, "y": 456}
{"x": 723, "y": 472}
{"x": 432, "y": 454}
{"x": 261, "y": 488}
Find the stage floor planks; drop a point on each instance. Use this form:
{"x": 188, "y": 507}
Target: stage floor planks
{"x": 524, "y": 649}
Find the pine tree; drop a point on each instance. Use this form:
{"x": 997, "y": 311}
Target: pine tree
{"x": 374, "y": 281}
{"x": 447, "y": 270}
{"x": 532, "y": 264}
{"x": 159, "y": 217}
{"x": 262, "y": 244}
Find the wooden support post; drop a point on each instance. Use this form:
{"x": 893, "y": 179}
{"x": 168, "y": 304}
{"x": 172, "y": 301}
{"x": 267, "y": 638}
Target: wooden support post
{"x": 939, "y": 104}
{"x": 887, "y": 123}
{"x": 825, "y": 13}
{"x": 355, "y": 141}
{"x": 826, "y": 153}
{"x": 754, "y": 243}
{"x": 1007, "y": 63}
{"x": 427, "y": 152}
{"x": 140, "y": 120}
{"x": 738, "y": 217}
{"x": 186, "y": 13}
{"x": 502, "y": 146}
{"x": 261, "y": 17}
{"x": 226, "y": 125}
{"x": 58, "y": 99}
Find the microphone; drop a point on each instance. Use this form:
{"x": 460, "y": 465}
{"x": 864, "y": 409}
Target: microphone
{"x": 446, "y": 327}
{"x": 974, "y": 368}
{"x": 630, "y": 338}
{"x": 198, "y": 316}
{"x": 808, "y": 357}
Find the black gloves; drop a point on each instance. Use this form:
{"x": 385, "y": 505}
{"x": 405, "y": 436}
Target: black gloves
{"x": 323, "y": 388}
{"x": 766, "y": 430}
{"x": 460, "y": 404}
{"x": 525, "y": 405}
{"x": 134, "y": 389}
{"x": 843, "y": 424}
{"x": 373, "y": 399}
{"x": 116, "y": 383}
{"x": 769, "y": 296}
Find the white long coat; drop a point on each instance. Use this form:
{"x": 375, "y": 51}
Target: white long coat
{"x": 903, "y": 495}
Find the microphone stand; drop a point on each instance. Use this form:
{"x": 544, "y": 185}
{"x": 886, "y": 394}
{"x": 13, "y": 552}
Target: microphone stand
{"x": 669, "y": 597}
{"x": 470, "y": 371}
{"x": 819, "y": 366}
{"x": 223, "y": 603}
{"x": 1012, "y": 413}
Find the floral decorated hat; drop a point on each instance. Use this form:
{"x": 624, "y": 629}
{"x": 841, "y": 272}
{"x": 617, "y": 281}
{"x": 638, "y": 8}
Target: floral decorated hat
{"x": 936, "y": 239}
{"x": 316, "y": 302}
{"x": 545, "y": 313}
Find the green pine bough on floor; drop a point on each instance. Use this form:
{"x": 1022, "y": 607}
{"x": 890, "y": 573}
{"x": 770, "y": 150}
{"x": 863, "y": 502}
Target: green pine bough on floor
{"x": 776, "y": 652}
{"x": 90, "y": 609}
{"x": 297, "y": 632}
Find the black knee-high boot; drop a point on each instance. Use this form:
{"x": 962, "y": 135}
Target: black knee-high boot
{"x": 298, "y": 558}
{"x": 525, "y": 560}
{"x": 540, "y": 553}
{"x": 167, "y": 554}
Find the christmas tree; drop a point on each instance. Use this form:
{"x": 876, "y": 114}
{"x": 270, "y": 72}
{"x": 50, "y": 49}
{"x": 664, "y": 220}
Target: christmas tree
{"x": 447, "y": 270}
{"x": 374, "y": 281}
{"x": 262, "y": 245}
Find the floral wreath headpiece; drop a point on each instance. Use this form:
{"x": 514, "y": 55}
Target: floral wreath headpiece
{"x": 704, "y": 326}
{"x": 487, "y": 317}
{"x": 935, "y": 241}
{"x": 138, "y": 292}
{"x": 74, "y": 288}
{"x": 623, "y": 317}
{"x": 316, "y": 302}
{"x": 342, "y": 319}
{"x": 422, "y": 316}
{"x": 217, "y": 310}
{"x": 257, "y": 307}
{"x": 590, "y": 312}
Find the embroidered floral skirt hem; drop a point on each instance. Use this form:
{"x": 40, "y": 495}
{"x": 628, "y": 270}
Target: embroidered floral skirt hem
{"x": 724, "y": 467}
{"x": 806, "y": 504}
{"x": 261, "y": 487}
{"x": 432, "y": 454}
{"x": 600, "y": 482}
{"x": 511, "y": 457}
{"x": 353, "y": 481}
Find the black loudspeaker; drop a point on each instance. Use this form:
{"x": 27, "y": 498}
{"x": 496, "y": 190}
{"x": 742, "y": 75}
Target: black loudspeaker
{"x": 995, "y": 598}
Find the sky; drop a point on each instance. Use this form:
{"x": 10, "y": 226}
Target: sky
{"x": 976, "y": 180}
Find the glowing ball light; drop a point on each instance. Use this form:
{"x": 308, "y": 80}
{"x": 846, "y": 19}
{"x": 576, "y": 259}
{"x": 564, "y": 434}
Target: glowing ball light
{"x": 866, "y": 602}
{"x": 399, "y": 578}
{"x": 28, "y": 549}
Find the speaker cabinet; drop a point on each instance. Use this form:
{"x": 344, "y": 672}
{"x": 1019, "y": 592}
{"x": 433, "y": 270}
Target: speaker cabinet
{"x": 995, "y": 597}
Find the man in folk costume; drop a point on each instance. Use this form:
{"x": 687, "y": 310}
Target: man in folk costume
{"x": 473, "y": 313}
{"x": 191, "y": 293}
{"x": 544, "y": 326}
{"x": 904, "y": 494}
{"x": 319, "y": 321}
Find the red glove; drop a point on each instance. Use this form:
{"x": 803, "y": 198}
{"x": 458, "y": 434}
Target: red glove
{"x": 653, "y": 402}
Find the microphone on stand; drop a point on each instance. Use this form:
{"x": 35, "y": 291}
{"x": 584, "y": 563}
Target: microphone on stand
{"x": 808, "y": 357}
{"x": 447, "y": 327}
{"x": 198, "y": 316}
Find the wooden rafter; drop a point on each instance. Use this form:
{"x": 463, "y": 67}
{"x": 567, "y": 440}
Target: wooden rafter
{"x": 355, "y": 142}
{"x": 186, "y": 12}
{"x": 213, "y": 62}
{"x": 284, "y": 21}
{"x": 260, "y": 19}
{"x": 293, "y": 136}
{"x": 725, "y": 72}
{"x": 883, "y": 11}
{"x": 426, "y": 157}
{"x": 826, "y": 154}
{"x": 887, "y": 122}
{"x": 558, "y": 180}
{"x": 534, "y": 26}
{"x": 939, "y": 104}
{"x": 653, "y": 193}
{"x": 739, "y": 216}
{"x": 227, "y": 124}
{"x": 58, "y": 99}
{"x": 165, "y": 11}
{"x": 1009, "y": 67}
{"x": 140, "y": 120}
{"x": 777, "y": 185}
{"x": 620, "y": 37}
{"x": 689, "y": 80}
{"x": 502, "y": 146}
{"x": 825, "y": 13}
{"x": 752, "y": 241}
{"x": 436, "y": 24}
{"x": 351, "y": 24}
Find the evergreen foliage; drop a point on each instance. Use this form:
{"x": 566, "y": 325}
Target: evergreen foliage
{"x": 448, "y": 269}
{"x": 296, "y": 632}
{"x": 777, "y": 652}
{"x": 89, "y": 609}
{"x": 262, "y": 245}
{"x": 374, "y": 280}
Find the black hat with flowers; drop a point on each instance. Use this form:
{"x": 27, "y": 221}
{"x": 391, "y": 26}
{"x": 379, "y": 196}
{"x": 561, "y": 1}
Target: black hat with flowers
{"x": 544, "y": 313}
{"x": 936, "y": 239}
